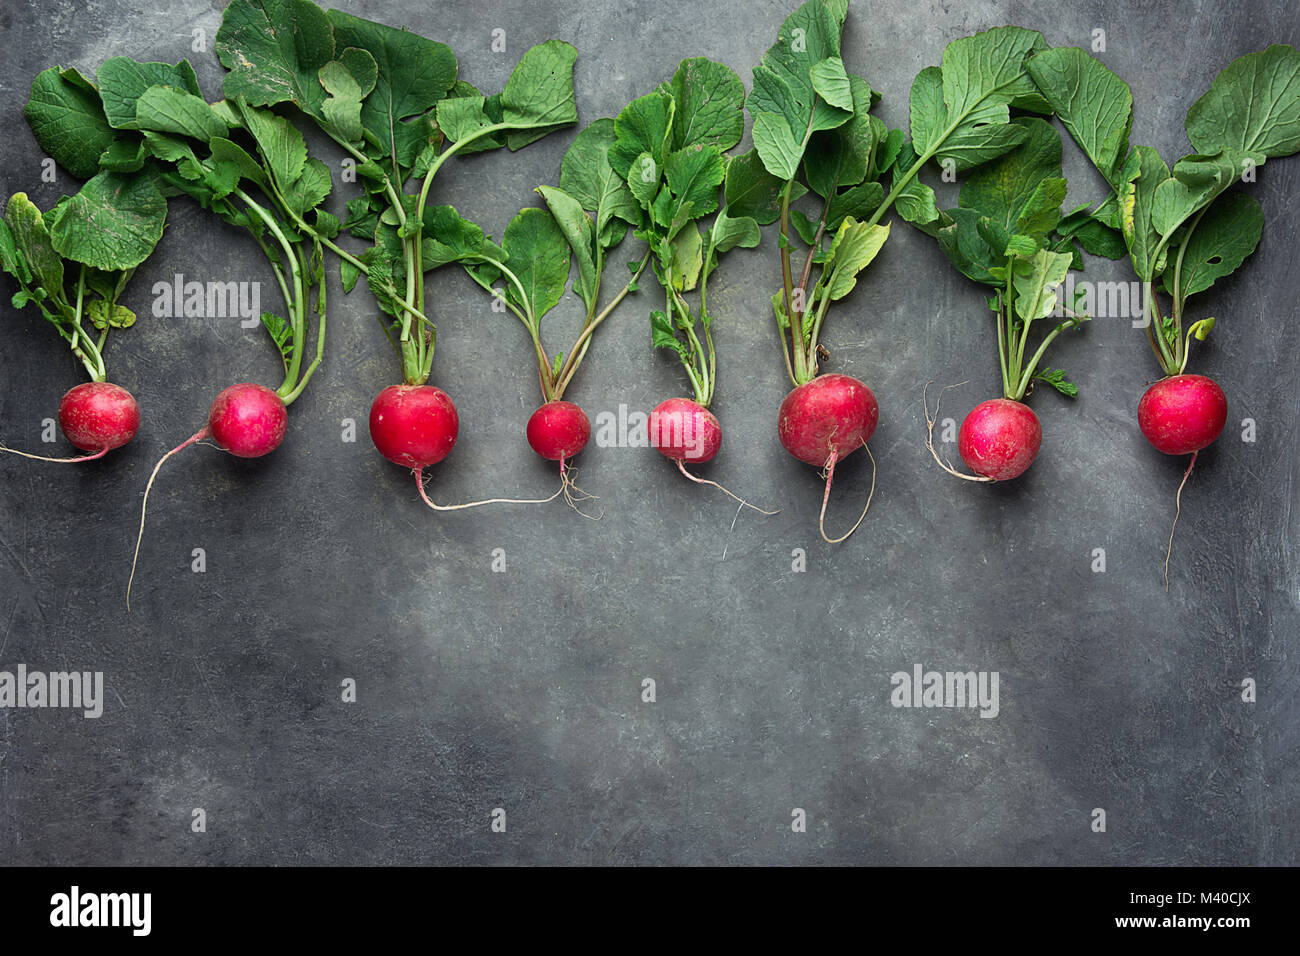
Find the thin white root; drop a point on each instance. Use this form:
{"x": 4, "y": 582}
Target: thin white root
{"x": 573, "y": 494}
{"x": 58, "y": 461}
{"x": 681, "y": 466}
{"x": 144, "y": 505}
{"x": 1178, "y": 509}
{"x": 929, "y": 440}
{"x": 419, "y": 483}
{"x": 830, "y": 476}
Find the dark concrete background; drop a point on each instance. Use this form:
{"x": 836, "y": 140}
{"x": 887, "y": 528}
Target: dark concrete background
{"x": 521, "y": 689}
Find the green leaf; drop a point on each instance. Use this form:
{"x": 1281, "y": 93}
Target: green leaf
{"x": 229, "y": 153}
{"x": 587, "y": 176}
{"x": 694, "y": 175}
{"x": 964, "y": 243}
{"x": 412, "y": 75}
{"x": 30, "y": 240}
{"x": 274, "y": 50}
{"x": 539, "y": 256}
{"x": 960, "y": 115}
{"x": 852, "y": 250}
{"x": 687, "y": 257}
{"x": 1055, "y": 377}
{"x": 580, "y": 233}
{"x": 166, "y": 110}
{"x": 752, "y": 191}
{"x": 462, "y": 117}
{"x": 643, "y": 179}
{"x": 1094, "y": 104}
{"x": 859, "y": 202}
{"x": 1193, "y": 184}
{"x": 710, "y": 105}
{"x": 786, "y": 105}
{"x": 281, "y": 333}
{"x": 1253, "y": 106}
{"x": 727, "y": 233}
{"x": 1143, "y": 173}
{"x": 832, "y": 83}
{"x": 123, "y": 81}
{"x": 114, "y": 222}
{"x": 1022, "y": 190}
{"x": 776, "y": 145}
{"x": 664, "y": 335}
{"x": 840, "y": 157}
{"x": 124, "y": 156}
{"x": 310, "y": 189}
{"x": 341, "y": 111}
{"x": 538, "y": 97}
{"x": 104, "y": 315}
{"x": 282, "y": 147}
{"x": 67, "y": 119}
{"x": 916, "y": 203}
{"x": 1035, "y": 281}
{"x": 644, "y": 126}
{"x": 1223, "y": 238}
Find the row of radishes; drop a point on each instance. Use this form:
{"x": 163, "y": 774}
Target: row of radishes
{"x": 657, "y": 170}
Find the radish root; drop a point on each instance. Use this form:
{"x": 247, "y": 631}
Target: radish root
{"x": 144, "y": 505}
{"x": 681, "y": 466}
{"x": 573, "y": 494}
{"x": 929, "y": 440}
{"x": 58, "y": 461}
{"x": 830, "y": 476}
{"x": 1178, "y": 508}
{"x": 419, "y": 483}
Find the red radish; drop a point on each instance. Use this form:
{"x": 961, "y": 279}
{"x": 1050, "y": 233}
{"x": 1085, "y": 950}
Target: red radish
{"x": 558, "y": 430}
{"x": 824, "y": 421}
{"x": 681, "y": 429}
{"x": 95, "y": 417}
{"x": 245, "y": 420}
{"x": 1000, "y": 439}
{"x": 414, "y": 425}
{"x": 1182, "y": 414}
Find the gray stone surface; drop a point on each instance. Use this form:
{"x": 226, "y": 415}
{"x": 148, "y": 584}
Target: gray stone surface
{"x": 522, "y": 689}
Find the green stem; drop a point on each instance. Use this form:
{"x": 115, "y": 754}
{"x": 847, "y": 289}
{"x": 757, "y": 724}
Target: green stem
{"x": 796, "y": 327}
{"x": 570, "y": 366}
{"x": 295, "y": 306}
{"x": 1002, "y": 348}
{"x": 321, "y": 311}
{"x": 1023, "y": 384}
{"x": 1180, "y": 352}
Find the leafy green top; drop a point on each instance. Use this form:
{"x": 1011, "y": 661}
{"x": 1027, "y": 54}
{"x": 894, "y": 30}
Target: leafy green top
{"x": 1181, "y": 227}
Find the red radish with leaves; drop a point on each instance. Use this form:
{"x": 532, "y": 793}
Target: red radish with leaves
{"x": 585, "y": 218}
{"x": 1184, "y": 227}
{"x": 95, "y": 416}
{"x": 707, "y": 101}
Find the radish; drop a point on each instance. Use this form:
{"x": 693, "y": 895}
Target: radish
{"x": 1000, "y": 439}
{"x": 1182, "y": 414}
{"x": 1184, "y": 227}
{"x": 708, "y": 101}
{"x": 558, "y": 430}
{"x": 822, "y": 422}
{"x": 95, "y": 416}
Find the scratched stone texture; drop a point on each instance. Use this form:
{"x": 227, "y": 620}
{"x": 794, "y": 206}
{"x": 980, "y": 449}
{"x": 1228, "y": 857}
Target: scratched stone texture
{"x": 522, "y": 690}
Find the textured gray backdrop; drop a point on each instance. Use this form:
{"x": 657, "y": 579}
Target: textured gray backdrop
{"x": 522, "y": 689}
